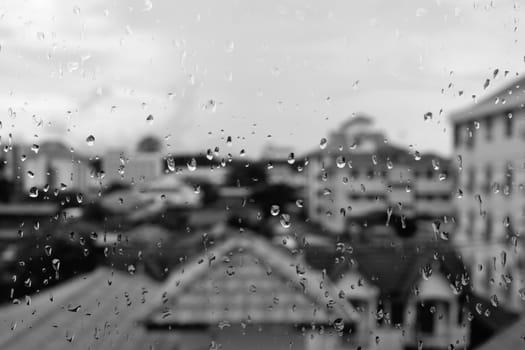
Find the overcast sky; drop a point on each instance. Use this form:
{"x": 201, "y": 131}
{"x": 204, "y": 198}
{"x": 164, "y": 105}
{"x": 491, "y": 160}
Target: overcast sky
{"x": 285, "y": 72}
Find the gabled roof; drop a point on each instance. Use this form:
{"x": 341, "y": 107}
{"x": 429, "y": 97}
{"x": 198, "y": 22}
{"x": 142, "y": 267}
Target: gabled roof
{"x": 247, "y": 279}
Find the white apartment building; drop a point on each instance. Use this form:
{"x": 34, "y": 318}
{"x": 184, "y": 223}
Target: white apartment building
{"x": 489, "y": 141}
{"x": 357, "y": 173}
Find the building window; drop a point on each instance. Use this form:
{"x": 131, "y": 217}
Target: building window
{"x": 471, "y": 180}
{"x": 470, "y": 223}
{"x": 488, "y": 227}
{"x": 488, "y": 127}
{"x": 457, "y": 135}
{"x": 488, "y": 274}
{"x": 429, "y": 312}
{"x": 470, "y": 135}
{"x": 488, "y": 178}
{"x": 509, "y": 124}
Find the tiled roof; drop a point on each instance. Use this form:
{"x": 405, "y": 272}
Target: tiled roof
{"x": 247, "y": 280}
{"x": 394, "y": 270}
{"x": 95, "y": 311}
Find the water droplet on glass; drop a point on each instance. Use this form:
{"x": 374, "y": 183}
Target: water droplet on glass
{"x": 340, "y": 162}
{"x": 90, "y": 140}
{"x": 274, "y": 210}
{"x": 33, "y": 192}
{"x": 285, "y": 220}
{"x": 149, "y": 119}
{"x": 170, "y": 163}
{"x": 323, "y": 143}
{"x": 339, "y": 324}
{"x": 192, "y": 165}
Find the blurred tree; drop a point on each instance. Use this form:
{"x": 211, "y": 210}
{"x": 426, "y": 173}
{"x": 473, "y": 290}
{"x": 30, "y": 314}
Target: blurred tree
{"x": 246, "y": 174}
{"x": 149, "y": 144}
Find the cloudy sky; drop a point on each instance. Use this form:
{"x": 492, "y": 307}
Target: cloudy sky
{"x": 282, "y": 72}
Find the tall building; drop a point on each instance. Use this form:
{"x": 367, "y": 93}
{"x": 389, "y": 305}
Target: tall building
{"x": 489, "y": 143}
{"x": 357, "y": 173}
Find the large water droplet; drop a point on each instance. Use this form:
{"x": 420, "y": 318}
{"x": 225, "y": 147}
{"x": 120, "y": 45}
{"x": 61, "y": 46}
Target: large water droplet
{"x": 33, "y": 192}
{"x": 340, "y": 161}
{"x": 192, "y": 165}
{"x": 90, "y": 140}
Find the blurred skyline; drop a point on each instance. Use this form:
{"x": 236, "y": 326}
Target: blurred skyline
{"x": 281, "y": 72}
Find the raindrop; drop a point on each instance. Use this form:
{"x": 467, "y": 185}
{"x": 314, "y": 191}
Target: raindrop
{"x": 90, "y": 140}
{"x": 426, "y": 272}
{"x": 427, "y": 116}
{"x": 285, "y": 220}
{"x": 494, "y": 300}
{"x": 340, "y": 161}
{"x": 323, "y": 143}
{"x": 275, "y": 209}
{"x": 339, "y": 324}
{"x": 149, "y": 119}
{"x": 192, "y": 165}
{"x": 33, "y": 192}
{"x": 170, "y": 163}
{"x": 291, "y": 158}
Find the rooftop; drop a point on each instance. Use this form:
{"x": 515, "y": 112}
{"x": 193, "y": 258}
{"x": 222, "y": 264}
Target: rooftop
{"x": 246, "y": 279}
{"x": 99, "y": 311}
{"x": 508, "y": 98}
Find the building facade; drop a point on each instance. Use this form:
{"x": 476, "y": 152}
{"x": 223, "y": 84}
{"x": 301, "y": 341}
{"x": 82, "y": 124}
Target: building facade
{"x": 489, "y": 144}
{"x": 357, "y": 173}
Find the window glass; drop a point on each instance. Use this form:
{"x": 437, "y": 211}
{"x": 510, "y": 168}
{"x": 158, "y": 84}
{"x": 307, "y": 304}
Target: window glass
{"x": 276, "y": 174}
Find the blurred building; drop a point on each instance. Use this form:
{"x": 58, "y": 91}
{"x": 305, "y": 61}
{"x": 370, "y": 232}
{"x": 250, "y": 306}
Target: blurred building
{"x": 132, "y": 167}
{"x": 357, "y": 173}
{"x": 282, "y": 167}
{"x": 413, "y": 298}
{"x": 489, "y": 139}
{"x": 56, "y": 166}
